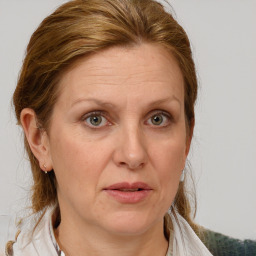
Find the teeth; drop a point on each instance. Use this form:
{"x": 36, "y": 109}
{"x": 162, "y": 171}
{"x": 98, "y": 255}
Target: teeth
{"x": 129, "y": 190}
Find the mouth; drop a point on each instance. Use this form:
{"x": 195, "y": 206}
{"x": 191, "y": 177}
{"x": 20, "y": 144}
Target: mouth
{"x": 129, "y": 187}
{"x": 130, "y": 190}
{"x": 129, "y": 193}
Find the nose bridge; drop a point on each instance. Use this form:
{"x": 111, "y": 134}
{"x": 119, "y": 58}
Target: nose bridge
{"x": 132, "y": 149}
{"x": 133, "y": 140}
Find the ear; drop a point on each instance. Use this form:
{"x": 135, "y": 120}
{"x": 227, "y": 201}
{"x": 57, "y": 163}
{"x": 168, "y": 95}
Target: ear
{"x": 190, "y": 135}
{"x": 37, "y": 138}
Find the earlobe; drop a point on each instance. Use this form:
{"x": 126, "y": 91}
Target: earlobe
{"x": 37, "y": 138}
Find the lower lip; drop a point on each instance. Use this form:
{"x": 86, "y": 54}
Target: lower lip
{"x": 127, "y": 197}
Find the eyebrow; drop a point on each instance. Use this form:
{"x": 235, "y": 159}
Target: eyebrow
{"x": 164, "y": 100}
{"x": 98, "y": 102}
{"x": 108, "y": 104}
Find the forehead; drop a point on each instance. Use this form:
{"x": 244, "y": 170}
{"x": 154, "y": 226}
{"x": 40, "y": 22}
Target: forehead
{"x": 124, "y": 73}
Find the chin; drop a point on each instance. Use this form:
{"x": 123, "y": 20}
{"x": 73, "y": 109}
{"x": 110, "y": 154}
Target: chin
{"x": 130, "y": 224}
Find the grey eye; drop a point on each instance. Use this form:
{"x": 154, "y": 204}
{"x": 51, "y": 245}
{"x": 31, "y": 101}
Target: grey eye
{"x": 96, "y": 120}
{"x": 157, "y": 119}
{"x": 161, "y": 119}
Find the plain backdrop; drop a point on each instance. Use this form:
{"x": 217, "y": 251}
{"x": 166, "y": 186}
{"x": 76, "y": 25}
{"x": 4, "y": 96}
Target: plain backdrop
{"x": 223, "y": 155}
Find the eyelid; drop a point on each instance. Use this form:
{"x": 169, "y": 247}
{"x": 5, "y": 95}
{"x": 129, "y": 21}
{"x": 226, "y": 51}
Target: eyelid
{"x": 101, "y": 113}
{"x": 105, "y": 115}
{"x": 160, "y": 112}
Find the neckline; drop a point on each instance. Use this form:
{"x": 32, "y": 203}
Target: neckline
{"x": 61, "y": 253}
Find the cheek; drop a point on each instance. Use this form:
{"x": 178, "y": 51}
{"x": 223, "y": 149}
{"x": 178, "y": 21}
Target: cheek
{"x": 169, "y": 159}
{"x": 170, "y": 155}
{"x": 76, "y": 160}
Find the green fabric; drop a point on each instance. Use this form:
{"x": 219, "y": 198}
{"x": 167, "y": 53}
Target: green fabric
{"x": 221, "y": 245}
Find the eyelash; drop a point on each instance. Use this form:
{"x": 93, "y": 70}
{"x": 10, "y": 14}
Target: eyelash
{"x": 102, "y": 114}
{"x": 166, "y": 118}
{"x": 166, "y": 115}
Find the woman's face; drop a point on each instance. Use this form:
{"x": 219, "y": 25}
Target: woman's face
{"x": 117, "y": 140}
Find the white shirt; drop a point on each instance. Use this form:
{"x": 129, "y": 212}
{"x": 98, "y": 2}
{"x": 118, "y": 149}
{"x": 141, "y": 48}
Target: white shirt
{"x": 183, "y": 241}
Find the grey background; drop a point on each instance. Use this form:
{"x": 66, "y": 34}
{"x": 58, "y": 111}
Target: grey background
{"x": 223, "y": 154}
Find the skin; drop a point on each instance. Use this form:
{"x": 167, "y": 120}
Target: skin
{"x": 126, "y": 88}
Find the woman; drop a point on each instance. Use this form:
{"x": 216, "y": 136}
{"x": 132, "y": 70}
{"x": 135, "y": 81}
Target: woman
{"x": 106, "y": 99}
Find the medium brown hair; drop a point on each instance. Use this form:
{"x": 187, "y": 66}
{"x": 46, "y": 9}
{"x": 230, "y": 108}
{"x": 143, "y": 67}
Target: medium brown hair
{"x": 83, "y": 27}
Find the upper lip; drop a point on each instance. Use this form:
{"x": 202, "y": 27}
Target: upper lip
{"x": 127, "y": 185}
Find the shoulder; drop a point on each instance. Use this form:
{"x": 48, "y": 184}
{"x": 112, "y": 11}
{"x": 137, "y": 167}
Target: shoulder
{"x": 35, "y": 241}
{"x": 222, "y": 245}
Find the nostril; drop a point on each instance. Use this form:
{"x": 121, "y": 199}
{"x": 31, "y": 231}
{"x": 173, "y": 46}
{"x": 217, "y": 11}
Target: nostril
{"x": 131, "y": 166}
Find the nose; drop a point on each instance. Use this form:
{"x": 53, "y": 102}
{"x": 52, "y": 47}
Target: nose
{"x": 131, "y": 151}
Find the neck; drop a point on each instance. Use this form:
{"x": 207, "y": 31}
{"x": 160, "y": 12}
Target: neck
{"x": 92, "y": 241}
